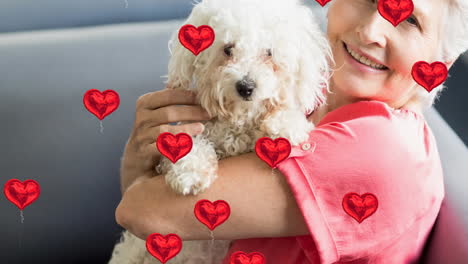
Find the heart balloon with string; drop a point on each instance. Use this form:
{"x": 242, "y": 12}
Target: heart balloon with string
{"x": 323, "y": 2}
{"x": 163, "y": 247}
{"x": 272, "y": 151}
{"x": 101, "y": 104}
{"x": 20, "y": 193}
{"x": 240, "y": 257}
{"x": 428, "y": 75}
{"x": 174, "y": 147}
{"x": 358, "y": 206}
{"x": 395, "y": 11}
{"x": 212, "y": 214}
{"x": 196, "y": 39}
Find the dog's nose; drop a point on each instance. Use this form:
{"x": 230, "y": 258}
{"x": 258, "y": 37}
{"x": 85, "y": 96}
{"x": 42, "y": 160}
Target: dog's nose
{"x": 245, "y": 87}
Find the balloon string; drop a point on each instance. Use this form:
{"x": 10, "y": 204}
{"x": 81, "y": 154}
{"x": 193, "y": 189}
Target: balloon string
{"x": 102, "y": 128}
{"x": 21, "y": 229}
{"x": 211, "y": 247}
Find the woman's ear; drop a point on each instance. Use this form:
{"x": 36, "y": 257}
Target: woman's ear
{"x": 182, "y": 62}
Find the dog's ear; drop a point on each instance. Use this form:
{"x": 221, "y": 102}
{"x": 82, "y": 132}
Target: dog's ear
{"x": 181, "y": 65}
{"x": 182, "y": 62}
{"x": 314, "y": 70}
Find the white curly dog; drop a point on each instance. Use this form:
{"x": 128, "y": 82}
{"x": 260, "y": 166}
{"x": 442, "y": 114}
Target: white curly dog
{"x": 265, "y": 70}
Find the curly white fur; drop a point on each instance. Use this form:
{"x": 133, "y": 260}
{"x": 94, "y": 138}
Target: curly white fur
{"x": 288, "y": 84}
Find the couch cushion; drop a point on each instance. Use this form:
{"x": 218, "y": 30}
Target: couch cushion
{"x": 47, "y": 134}
{"x": 50, "y": 14}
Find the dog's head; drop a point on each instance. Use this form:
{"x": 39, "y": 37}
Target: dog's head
{"x": 266, "y": 54}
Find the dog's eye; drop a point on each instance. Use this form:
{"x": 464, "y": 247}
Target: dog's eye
{"x": 228, "y": 50}
{"x": 269, "y": 52}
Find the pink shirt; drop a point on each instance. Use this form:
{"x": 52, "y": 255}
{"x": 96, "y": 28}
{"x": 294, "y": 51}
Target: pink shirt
{"x": 369, "y": 187}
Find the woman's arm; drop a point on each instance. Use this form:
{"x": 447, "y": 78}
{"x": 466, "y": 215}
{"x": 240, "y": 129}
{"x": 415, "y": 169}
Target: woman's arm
{"x": 261, "y": 202}
{"x": 131, "y": 168}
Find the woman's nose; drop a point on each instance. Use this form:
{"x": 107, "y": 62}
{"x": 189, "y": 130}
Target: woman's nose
{"x": 374, "y": 29}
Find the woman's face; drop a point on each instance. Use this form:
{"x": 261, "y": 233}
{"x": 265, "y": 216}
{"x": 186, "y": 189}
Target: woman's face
{"x": 391, "y": 51}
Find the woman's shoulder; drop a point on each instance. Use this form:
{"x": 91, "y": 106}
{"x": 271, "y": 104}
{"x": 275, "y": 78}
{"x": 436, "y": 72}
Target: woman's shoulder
{"x": 371, "y": 111}
{"x": 371, "y": 138}
{"x": 373, "y": 125}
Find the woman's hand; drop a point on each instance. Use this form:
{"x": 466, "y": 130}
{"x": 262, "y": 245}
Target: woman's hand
{"x": 153, "y": 113}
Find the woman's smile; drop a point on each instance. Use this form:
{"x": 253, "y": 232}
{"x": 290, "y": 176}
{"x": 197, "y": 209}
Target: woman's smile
{"x": 362, "y": 63}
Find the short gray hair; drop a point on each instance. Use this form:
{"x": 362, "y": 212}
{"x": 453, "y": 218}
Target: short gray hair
{"x": 454, "y": 42}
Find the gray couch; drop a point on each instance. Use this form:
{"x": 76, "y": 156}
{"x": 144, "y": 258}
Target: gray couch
{"x": 47, "y": 135}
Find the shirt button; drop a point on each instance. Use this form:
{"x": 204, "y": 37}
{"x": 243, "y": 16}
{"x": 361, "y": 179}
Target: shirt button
{"x": 306, "y": 146}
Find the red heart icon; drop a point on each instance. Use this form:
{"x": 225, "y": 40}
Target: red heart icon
{"x": 163, "y": 247}
{"x": 360, "y": 206}
{"x": 174, "y": 147}
{"x": 196, "y": 39}
{"x": 20, "y": 193}
{"x": 101, "y": 104}
{"x": 322, "y": 2}
{"x": 212, "y": 214}
{"x": 428, "y": 75}
{"x": 272, "y": 151}
{"x": 240, "y": 257}
{"x": 395, "y": 11}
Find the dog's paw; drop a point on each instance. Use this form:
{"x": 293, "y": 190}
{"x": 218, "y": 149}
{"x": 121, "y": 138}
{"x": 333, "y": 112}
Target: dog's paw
{"x": 195, "y": 172}
{"x": 295, "y": 133}
{"x": 289, "y": 124}
{"x": 296, "y": 137}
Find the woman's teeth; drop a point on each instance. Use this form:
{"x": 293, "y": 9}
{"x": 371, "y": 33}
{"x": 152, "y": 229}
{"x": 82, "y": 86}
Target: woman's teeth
{"x": 365, "y": 60}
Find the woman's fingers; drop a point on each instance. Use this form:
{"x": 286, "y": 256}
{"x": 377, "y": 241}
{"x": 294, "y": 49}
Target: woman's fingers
{"x": 158, "y": 99}
{"x": 173, "y": 113}
{"x": 192, "y": 129}
{"x": 169, "y": 114}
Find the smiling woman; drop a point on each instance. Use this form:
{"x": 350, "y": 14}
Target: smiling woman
{"x": 370, "y": 189}
{"x": 437, "y": 31}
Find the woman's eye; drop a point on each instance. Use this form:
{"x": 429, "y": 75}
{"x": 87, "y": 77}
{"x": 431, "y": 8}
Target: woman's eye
{"x": 228, "y": 50}
{"x": 412, "y": 21}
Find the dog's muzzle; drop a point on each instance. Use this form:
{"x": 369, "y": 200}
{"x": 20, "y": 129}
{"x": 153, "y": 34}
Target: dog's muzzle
{"x": 245, "y": 87}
